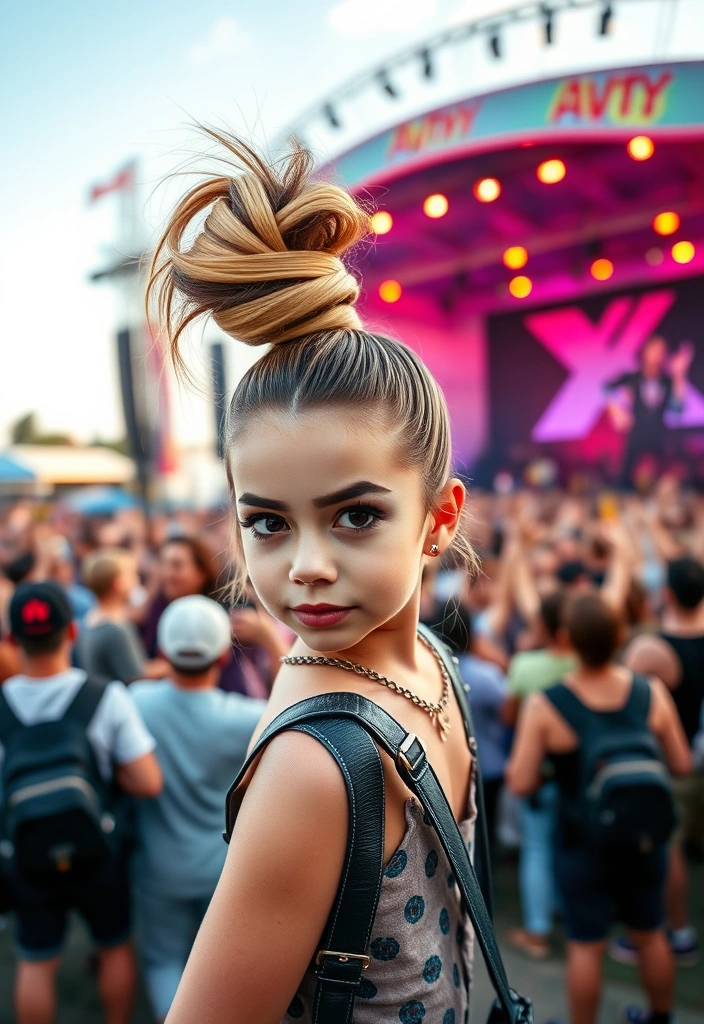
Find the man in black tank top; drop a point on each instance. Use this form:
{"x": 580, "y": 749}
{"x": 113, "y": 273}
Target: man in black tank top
{"x": 676, "y": 656}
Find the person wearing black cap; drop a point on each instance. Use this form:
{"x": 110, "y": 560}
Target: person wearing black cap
{"x": 34, "y": 704}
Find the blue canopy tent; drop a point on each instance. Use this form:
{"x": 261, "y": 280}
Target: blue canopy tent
{"x": 16, "y": 479}
{"x": 14, "y": 472}
{"x": 100, "y": 501}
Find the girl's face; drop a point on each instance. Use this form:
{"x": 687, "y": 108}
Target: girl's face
{"x": 333, "y": 527}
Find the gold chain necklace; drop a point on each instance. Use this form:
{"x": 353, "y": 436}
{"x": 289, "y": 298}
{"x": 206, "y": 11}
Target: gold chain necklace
{"x": 437, "y": 713}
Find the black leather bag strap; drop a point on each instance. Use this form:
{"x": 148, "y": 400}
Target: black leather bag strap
{"x": 569, "y": 706}
{"x": 9, "y": 722}
{"x": 339, "y": 964}
{"x": 482, "y": 857}
{"x": 85, "y": 703}
{"x": 638, "y": 703}
{"x": 417, "y": 773}
{"x": 344, "y": 953}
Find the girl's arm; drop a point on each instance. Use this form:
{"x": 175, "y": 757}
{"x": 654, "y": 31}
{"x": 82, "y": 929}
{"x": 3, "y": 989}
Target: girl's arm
{"x": 264, "y": 924}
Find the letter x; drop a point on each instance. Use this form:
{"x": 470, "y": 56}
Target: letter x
{"x": 595, "y": 353}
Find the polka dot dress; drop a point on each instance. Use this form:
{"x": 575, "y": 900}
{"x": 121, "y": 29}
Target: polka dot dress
{"x": 421, "y": 948}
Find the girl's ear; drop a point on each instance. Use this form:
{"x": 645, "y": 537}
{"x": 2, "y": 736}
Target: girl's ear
{"x": 445, "y": 517}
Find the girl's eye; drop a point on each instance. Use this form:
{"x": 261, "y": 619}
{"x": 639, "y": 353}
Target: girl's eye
{"x": 359, "y": 518}
{"x": 264, "y": 526}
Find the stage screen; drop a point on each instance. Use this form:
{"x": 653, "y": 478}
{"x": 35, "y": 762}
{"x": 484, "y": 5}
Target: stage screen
{"x": 587, "y": 384}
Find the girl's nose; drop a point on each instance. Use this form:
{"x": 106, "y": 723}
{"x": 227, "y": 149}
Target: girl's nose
{"x": 312, "y": 565}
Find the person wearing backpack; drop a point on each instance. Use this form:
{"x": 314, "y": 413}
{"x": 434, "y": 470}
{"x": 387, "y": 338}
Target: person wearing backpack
{"x": 67, "y": 742}
{"x": 202, "y": 736}
{"x": 612, "y": 737}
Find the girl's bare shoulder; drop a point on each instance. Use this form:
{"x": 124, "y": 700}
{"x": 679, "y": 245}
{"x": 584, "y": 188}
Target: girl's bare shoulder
{"x": 298, "y": 766}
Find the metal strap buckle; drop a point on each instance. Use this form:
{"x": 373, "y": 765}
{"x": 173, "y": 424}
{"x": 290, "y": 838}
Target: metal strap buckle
{"x": 410, "y": 739}
{"x": 342, "y": 958}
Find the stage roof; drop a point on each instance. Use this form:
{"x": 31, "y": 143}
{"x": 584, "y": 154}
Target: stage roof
{"x": 603, "y": 208}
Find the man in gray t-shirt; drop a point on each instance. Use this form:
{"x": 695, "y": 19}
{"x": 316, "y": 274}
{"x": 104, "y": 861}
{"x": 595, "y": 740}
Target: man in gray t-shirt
{"x": 112, "y": 650}
{"x": 202, "y": 736}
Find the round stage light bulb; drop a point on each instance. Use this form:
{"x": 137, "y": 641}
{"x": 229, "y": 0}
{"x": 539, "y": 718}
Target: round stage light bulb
{"x": 602, "y": 269}
{"x": 382, "y": 222}
{"x": 666, "y": 223}
{"x": 487, "y": 190}
{"x": 436, "y": 206}
{"x": 551, "y": 171}
{"x": 641, "y": 148}
{"x": 520, "y": 287}
{"x": 654, "y": 256}
{"x": 390, "y": 291}
{"x": 515, "y": 257}
{"x": 683, "y": 252}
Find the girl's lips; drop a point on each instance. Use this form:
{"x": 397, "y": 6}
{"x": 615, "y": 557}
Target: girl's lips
{"x": 320, "y": 617}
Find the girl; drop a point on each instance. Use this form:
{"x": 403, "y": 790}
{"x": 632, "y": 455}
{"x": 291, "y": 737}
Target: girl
{"x": 338, "y": 461}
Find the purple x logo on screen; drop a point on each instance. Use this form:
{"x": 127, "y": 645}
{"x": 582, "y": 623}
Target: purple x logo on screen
{"x": 595, "y": 353}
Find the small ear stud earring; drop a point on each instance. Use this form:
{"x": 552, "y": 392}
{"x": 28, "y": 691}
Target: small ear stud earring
{"x": 434, "y": 551}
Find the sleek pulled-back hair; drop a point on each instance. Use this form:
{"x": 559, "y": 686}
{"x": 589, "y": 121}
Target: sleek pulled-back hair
{"x": 266, "y": 265}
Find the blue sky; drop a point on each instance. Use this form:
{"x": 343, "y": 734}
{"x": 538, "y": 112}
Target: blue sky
{"x": 88, "y": 85}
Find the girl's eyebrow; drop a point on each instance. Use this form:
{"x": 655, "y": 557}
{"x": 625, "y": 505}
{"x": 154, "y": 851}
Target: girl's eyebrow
{"x": 253, "y": 499}
{"x": 354, "y": 491}
{"x": 347, "y": 493}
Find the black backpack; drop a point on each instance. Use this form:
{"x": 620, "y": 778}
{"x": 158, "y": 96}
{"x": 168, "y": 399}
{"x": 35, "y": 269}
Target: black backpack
{"x": 54, "y": 820}
{"x": 625, "y": 794}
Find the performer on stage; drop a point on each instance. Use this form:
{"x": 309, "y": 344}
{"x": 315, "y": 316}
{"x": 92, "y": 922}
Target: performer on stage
{"x": 656, "y": 388}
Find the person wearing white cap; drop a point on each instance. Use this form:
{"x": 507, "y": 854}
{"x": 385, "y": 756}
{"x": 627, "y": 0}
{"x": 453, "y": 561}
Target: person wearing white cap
{"x": 202, "y": 736}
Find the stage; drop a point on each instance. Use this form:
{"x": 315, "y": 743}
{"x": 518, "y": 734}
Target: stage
{"x": 529, "y": 241}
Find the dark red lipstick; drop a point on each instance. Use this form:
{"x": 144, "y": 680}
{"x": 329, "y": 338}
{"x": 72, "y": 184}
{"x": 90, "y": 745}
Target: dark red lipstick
{"x": 320, "y": 615}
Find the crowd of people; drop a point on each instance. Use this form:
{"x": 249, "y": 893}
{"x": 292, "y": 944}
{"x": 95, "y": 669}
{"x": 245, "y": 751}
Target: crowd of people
{"x": 581, "y": 646}
{"x": 110, "y": 604}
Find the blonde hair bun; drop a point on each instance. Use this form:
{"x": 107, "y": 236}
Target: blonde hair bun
{"x": 266, "y": 263}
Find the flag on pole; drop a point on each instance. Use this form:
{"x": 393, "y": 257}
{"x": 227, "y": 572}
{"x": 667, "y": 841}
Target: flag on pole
{"x": 124, "y": 178}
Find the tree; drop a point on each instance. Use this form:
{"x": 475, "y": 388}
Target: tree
{"x": 26, "y": 431}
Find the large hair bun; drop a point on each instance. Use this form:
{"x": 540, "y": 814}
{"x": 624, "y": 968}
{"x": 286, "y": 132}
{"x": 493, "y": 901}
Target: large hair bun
{"x": 266, "y": 263}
